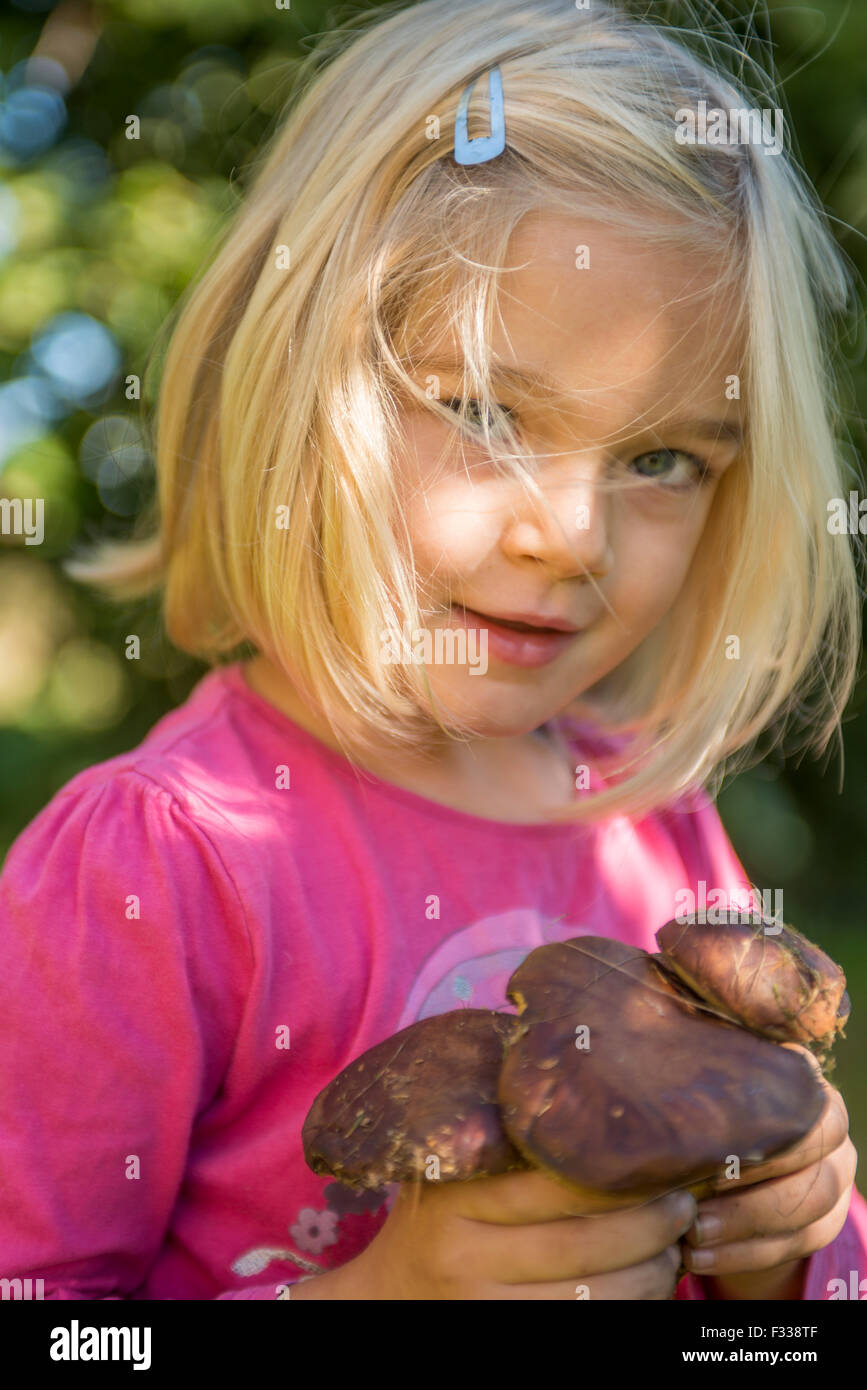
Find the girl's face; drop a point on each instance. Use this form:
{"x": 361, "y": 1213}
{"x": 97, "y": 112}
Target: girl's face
{"x": 652, "y": 355}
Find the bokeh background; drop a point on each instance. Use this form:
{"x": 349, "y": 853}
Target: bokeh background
{"x": 99, "y": 234}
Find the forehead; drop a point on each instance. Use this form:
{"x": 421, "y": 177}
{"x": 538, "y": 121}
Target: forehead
{"x": 631, "y": 327}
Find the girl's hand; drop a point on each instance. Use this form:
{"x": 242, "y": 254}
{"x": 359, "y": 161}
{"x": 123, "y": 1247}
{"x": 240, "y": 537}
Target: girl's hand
{"x": 516, "y": 1236}
{"x": 774, "y": 1217}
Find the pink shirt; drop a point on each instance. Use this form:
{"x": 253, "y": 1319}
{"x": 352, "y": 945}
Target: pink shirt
{"x": 190, "y": 952}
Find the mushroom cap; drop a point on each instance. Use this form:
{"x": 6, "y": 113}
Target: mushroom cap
{"x": 429, "y": 1090}
{"x": 768, "y": 977}
{"x": 664, "y": 1096}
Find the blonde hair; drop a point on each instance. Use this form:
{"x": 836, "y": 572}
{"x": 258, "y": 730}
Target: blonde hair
{"x": 280, "y": 385}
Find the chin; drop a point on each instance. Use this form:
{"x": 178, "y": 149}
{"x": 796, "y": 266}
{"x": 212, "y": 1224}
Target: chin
{"x": 508, "y": 717}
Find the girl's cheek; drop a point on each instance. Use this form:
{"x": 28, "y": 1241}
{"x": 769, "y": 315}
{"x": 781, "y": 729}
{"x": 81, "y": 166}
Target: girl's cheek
{"x": 452, "y": 527}
{"x": 650, "y": 571}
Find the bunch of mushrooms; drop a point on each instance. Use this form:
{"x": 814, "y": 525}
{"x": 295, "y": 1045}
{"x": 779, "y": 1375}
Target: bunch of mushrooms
{"x": 623, "y": 1074}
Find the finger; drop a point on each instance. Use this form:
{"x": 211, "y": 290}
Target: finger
{"x": 810, "y": 1056}
{"x": 779, "y": 1206}
{"x": 653, "y": 1280}
{"x": 744, "y": 1257}
{"x": 575, "y": 1247}
{"x": 828, "y": 1133}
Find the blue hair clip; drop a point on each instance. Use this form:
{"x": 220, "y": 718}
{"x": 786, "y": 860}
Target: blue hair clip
{"x": 483, "y": 147}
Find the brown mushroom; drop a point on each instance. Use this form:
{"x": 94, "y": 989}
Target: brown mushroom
{"x": 624, "y": 1074}
{"x": 430, "y": 1091}
{"x": 662, "y": 1095}
{"x": 765, "y": 976}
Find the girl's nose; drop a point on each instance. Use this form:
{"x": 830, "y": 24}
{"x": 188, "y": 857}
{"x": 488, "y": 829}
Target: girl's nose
{"x": 568, "y": 531}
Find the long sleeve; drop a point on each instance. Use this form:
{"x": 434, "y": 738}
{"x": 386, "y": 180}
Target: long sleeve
{"x": 123, "y": 954}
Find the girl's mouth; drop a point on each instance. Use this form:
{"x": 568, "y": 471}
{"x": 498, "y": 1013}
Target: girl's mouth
{"x": 518, "y": 644}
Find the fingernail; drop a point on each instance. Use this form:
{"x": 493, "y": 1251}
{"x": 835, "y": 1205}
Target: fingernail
{"x": 700, "y": 1259}
{"x": 684, "y": 1207}
{"x": 707, "y": 1228}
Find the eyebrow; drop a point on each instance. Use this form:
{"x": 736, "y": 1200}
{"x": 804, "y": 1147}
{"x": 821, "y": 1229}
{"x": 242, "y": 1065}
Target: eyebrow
{"x": 534, "y": 382}
{"x": 706, "y": 429}
{"x": 537, "y": 384}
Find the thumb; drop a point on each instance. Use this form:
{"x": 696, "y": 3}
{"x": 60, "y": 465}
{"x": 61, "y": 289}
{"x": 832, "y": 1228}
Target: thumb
{"x": 811, "y": 1058}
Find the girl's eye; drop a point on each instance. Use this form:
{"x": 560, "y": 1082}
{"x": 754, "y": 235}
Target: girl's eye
{"x": 471, "y": 412}
{"x": 660, "y": 465}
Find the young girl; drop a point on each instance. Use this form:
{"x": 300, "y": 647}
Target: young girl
{"x": 511, "y": 464}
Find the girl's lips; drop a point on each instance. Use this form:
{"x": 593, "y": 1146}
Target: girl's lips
{"x": 507, "y": 644}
